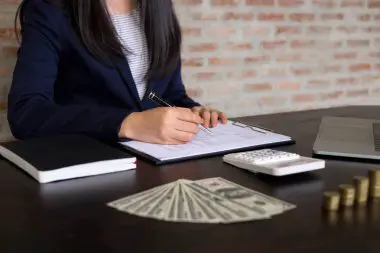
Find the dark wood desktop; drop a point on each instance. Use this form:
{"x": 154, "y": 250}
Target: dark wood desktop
{"x": 72, "y": 216}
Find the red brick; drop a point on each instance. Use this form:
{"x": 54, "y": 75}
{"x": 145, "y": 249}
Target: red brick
{"x": 325, "y": 3}
{"x": 194, "y": 62}
{"x": 190, "y": 31}
{"x": 285, "y": 29}
{"x": 332, "y": 95}
{"x": 291, "y": 3}
{"x": 360, "y": 67}
{"x": 238, "y": 46}
{"x": 272, "y": 100}
{"x": 353, "y": 3}
{"x": 319, "y": 29}
{"x": 288, "y": 86}
{"x": 332, "y": 16}
{"x": 231, "y": 15}
{"x": 256, "y": 59}
{"x": 259, "y": 2}
{"x": 304, "y": 98}
{"x": 273, "y": 44}
{"x": 258, "y": 87}
{"x": 188, "y": 2}
{"x": 222, "y": 61}
{"x": 302, "y": 44}
{"x": 301, "y": 17}
{"x": 347, "y": 81}
{"x": 224, "y": 2}
{"x": 222, "y": 31}
{"x": 358, "y": 43}
{"x": 271, "y": 16}
{"x": 345, "y": 55}
{"x": 358, "y": 93}
{"x": 291, "y": 57}
{"x": 203, "y": 47}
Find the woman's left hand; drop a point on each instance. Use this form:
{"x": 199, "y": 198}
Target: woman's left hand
{"x": 210, "y": 116}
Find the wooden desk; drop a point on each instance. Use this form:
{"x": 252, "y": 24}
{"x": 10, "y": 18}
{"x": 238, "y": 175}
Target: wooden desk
{"x": 72, "y": 216}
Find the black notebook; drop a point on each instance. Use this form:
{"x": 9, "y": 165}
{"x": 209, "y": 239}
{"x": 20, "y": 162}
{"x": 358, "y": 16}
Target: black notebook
{"x": 62, "y": 157}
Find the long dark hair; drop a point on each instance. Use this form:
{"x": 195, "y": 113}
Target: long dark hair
{"x": 91, "y": 22}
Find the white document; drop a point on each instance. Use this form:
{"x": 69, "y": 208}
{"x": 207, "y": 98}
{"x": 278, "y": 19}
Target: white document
{"x": 227, "y": 137}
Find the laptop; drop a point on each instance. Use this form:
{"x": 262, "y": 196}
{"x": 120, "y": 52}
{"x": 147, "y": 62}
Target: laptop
{"x": 348, "y": 137}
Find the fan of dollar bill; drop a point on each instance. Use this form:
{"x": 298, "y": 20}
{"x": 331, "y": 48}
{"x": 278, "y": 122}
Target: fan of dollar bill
{"x": 210, "y": 200}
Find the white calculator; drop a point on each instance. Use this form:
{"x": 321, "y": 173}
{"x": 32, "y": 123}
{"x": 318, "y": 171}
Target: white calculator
{"x": 273, "y": 162}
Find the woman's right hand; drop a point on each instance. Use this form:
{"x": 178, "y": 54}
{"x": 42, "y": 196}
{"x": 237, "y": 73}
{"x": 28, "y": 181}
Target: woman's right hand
{"x": 162, "y": 125}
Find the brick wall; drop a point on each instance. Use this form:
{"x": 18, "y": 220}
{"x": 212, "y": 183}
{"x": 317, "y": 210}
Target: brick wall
{"x": 260, "y": 56}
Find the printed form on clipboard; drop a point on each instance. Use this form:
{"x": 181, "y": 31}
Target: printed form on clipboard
{"x": 232, "y": 137}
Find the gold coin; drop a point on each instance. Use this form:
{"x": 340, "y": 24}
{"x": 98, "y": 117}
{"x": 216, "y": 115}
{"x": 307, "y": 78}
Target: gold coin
{"x": 374, "y": 175}
{"x": 374, "y": 183}
{"x": 347, "y": 194}
{"x": 361, "y": 185}
{"x": 374, "y": 192}
{"x": 331, "y": 200}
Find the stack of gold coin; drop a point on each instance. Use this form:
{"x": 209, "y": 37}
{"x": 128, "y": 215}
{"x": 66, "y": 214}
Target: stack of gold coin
{"x": 361, "y": 189}
{"x": 347, "y": 194}
{"x": 331, "y": 200}
{"x": 374, "y": 183}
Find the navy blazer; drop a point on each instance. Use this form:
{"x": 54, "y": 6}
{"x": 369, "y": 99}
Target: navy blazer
{"x": 58, "y": 87}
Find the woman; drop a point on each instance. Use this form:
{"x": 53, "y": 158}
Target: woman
{"x": 86, "y": 66}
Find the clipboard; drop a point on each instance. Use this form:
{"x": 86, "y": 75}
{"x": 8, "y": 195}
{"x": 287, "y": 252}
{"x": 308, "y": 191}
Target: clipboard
{"x": 241, "y": 137}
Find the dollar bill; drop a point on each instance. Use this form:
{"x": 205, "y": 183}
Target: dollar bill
{"x": 160, "y": 209}
{"x": 172, "y": 207}
{"x": 183, "y": 212}
{"x": 147, "y": 206}
{"x": 138, "y": 198}
{"x": 244, "y": 196}
{"x": 228, "y": 210}
{"x": 140, "y": 202}
{"x": 198, "y": 210}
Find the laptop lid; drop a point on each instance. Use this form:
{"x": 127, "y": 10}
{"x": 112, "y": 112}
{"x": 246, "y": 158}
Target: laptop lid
{"x": 348, "y": 137}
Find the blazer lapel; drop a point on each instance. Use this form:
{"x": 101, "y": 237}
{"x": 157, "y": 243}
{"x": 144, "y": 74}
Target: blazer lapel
{"x": 125, "y": 72}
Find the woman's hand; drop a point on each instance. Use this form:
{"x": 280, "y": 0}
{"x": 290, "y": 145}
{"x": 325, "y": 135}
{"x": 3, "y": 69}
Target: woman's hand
{"x": 210, "y": 116}
{"x": 162, "y": 125}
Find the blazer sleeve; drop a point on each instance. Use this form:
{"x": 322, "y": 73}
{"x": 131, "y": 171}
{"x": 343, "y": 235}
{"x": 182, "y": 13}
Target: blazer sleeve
{"x": 32, "y": 111}
{"x": 176, "y": 92}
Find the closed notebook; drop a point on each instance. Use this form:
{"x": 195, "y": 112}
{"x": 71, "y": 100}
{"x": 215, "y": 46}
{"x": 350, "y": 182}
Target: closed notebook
{"x": 62, "y": 157}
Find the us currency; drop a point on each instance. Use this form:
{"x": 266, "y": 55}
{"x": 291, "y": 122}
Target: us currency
{"x": 244, "y": 196}
{"x": 212, "y": 208}
{"x": 183, "y": 212}
{"x": 229, "y": 210}
{"x": 147, "y": 206}
{"x": 161, "y": 208}
{"x": 199, "y": 211}
{"x": 138, "y": 198}
{"x": 172, "y": 207}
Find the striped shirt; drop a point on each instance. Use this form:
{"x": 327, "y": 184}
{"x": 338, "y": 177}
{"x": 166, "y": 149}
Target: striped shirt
{"x": 131, "y": 35}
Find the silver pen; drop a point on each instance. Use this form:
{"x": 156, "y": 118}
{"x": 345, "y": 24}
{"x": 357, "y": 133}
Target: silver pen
{"x": 152, "y": 96}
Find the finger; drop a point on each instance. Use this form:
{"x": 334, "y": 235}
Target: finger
{"x": 197, "y": 112}
{"x": 186, "y": 126}
{"x": 206, "y": 118}
{"x": 196, "y": 109}
{"x": 173, "y": 142}
{"x": 223, "y": 117}
{"x": 214, "y": 118}
{"x": 182, "y": 137}
{"x": 186, "y": 114}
